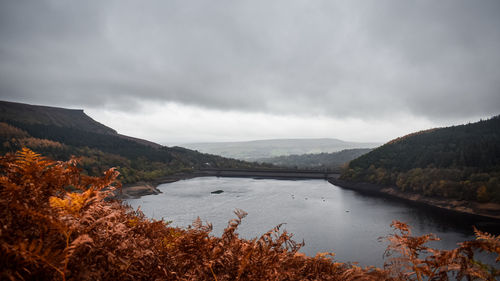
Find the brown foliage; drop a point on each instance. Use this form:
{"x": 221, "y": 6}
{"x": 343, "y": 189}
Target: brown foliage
{"x": 419, "y": 262}
{"x": 7, "y": 132}
{"x": 35, "y": 143}
{"x": 57, "y": 224}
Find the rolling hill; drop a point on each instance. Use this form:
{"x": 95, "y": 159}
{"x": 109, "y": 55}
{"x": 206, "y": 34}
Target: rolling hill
{"x": 460, "y": 162}
{"x": 330, "y": 161}
{"x": 258, "y": 149}
{"x": 60, "y": 133}
{"x": 52, "y": 116}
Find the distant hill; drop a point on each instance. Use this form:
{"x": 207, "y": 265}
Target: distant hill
{"x": 54, "y": 116}
{"x": 330, "y": 161}
{"x": 35, "y": 115}
{"x": 60, "y": 133}
{"x": 461, "y": 162}
{"x": 258, "y": 149}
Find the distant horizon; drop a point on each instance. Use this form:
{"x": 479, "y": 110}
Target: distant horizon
{"x": 117, "y": 124}
{"x": 328, "y": 138}
{"x": 193, "y": 71}
{"x": 291, "y": 138}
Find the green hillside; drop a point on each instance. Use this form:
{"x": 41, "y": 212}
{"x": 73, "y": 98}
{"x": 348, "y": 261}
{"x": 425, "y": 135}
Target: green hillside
{"x": 461, "y": 162}
{"x": 330, "y": 161}
{"x": 60, "y": 133}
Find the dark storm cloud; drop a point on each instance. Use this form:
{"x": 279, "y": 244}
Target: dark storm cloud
{"x": 352, "y": 58}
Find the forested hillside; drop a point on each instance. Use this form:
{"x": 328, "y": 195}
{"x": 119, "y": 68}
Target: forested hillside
{"x": 461, "y": 162}
{"x": 60, "y": 133}
{"x": 329, "y": 161}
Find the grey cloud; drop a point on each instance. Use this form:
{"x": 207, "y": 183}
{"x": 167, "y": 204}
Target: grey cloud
{"x": 351, "y": 58}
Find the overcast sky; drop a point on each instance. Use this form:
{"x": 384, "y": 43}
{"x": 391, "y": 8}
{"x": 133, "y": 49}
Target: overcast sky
{"x": 192, "y": 71}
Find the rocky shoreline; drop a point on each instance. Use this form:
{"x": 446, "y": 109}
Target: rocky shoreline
{"x": 489, "y": 211}
{"x": 137, "y": 190}
{"x": 143, "y": 188}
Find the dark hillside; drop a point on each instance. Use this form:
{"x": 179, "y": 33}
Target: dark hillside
{"x": 54, "y": 116}
{"x": 460, "y": 162}
{"x": 61, "y": 133}
{"x": 471, "y": 145}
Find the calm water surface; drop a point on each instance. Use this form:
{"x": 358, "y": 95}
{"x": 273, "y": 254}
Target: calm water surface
{"x": 326, "y": 217}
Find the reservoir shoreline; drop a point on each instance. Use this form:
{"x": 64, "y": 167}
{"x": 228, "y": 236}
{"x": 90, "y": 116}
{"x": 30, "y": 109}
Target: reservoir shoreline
{"x": 488, "y": 211}
{"x": 139, "y": 189}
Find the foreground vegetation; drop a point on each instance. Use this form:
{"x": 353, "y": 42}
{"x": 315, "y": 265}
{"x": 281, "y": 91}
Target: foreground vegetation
{"x": 460, "y": 162}
{"x": 59, "y": 224}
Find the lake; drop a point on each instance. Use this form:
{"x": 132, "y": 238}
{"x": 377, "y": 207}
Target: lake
{"x": 328, "y": 218}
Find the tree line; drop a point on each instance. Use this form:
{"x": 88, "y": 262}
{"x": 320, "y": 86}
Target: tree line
{"x": 98, "y": 152}
{"x": 461, "y": 162}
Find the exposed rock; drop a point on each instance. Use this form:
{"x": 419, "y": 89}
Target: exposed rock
{"x": 138, "y": 190}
